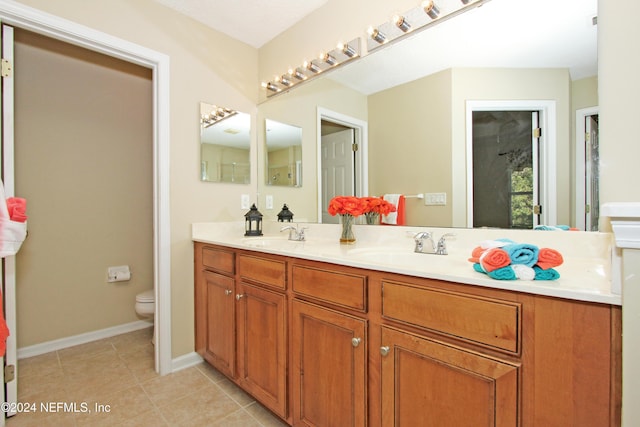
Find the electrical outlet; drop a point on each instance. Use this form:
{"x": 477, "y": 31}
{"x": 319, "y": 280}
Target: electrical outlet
{"x": 435, "y": 199}
{"x": 244, "y": 201}
{"x": 269, "y": 202}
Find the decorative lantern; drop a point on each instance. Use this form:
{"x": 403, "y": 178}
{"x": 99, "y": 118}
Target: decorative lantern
{"x": 285, "y": 214}
{"x": 253, "y": 222}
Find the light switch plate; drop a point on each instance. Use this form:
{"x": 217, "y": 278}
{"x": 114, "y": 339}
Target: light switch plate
{"x": 269, "y": 201}
{"x": 244, "y": 201}
{"x": 435, "y": 199}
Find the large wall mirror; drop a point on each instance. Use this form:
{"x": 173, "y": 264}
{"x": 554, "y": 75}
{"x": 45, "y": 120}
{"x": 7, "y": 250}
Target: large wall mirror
{"x": 224, "y": 145}
{"x": 413, "y": 97}
{"x": 283, "y": 154}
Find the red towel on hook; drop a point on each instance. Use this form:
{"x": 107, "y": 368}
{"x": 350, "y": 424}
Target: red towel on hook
{"x": 397, "y": 217}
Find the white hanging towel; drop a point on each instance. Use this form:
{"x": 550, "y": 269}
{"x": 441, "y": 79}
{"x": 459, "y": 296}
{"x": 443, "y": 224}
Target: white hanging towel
{"x": 12, "y": 232}
{"x": 397, "y": 217}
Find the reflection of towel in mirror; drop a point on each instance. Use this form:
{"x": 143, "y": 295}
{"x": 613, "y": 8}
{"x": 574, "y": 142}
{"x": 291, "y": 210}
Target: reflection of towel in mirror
{"x": 397, "y": 217}
{"x": 4, "y": 331}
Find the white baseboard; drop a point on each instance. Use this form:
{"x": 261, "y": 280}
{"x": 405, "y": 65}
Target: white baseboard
{"x": 185, "y": 361}
{"x": 49, "y": 346}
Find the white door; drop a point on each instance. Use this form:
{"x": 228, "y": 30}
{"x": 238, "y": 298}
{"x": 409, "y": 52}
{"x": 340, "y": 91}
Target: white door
{"x": 9, "y": 371}
{"x": 337, "y": 169}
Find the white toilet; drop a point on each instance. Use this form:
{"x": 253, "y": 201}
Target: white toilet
{"x": 146, "y": 307}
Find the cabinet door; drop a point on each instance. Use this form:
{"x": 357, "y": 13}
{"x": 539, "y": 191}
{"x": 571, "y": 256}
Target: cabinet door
{"x": 429, "y": 383}
{"x": 262, "y": 345}
{"x": 220, "y": 343}
{"x": 329, "y": 367}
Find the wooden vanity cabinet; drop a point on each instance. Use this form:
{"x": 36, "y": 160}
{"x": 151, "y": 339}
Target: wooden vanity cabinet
{"x": 426, "y": 382}
{"x": 215, "y": 307}
{"x": 262, "y": 329}
{"x": 328, "y": 345}
{"x": 241, "y": 321}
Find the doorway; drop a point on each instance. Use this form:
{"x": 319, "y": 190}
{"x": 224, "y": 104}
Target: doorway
{"x": 505, "y": 169}
{"x": 342, "y": 159}
{"x": 516, "y": 187}
{"x": 587, "y": 169}
{"x": 40, "y": 22}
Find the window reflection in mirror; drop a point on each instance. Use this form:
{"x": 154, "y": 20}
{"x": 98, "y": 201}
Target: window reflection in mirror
{"x": 224, "y": 145}
{"x": 284, "y": 154}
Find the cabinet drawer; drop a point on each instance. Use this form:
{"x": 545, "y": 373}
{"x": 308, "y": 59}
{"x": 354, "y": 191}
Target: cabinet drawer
{"x": 266, "y": 271}
{"x": 218, "y": 259}
{"x": 344, "y": 289}
{"x": 490, "y": 322}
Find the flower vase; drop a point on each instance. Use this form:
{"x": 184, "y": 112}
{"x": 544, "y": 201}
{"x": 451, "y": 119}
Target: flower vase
{"x": 372, "y": 218}
{"x": 347, "y": 237}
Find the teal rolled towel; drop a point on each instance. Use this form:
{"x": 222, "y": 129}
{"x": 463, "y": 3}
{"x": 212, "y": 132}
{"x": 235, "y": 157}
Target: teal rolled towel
{"x": 548, "y": 274}
{"x": 522, "y": 253}
{"x": 504, "y": 273}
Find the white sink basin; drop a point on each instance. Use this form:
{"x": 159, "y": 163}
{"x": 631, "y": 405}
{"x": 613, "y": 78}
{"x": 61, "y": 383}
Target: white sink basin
{"x": 266, "y": 242}
{"x": 406, "y": 258}
{"x": 400, "y": 257}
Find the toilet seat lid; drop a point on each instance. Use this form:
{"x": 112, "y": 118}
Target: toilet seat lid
{"x": 146, "y": 296}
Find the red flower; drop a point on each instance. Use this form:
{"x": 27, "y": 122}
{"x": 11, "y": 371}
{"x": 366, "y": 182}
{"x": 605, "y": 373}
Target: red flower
{"x": 379, "y": 205}
{"x": 347, "y": 205}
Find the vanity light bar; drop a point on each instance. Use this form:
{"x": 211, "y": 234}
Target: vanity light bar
{"x": 428, "y": 13}
{"x": 216, "y": 115}
{"x": 401, "y": 23}
{"x": 343, "y": 53}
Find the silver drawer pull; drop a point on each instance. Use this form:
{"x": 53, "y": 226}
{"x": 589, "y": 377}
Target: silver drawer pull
{"x": 356, "y": 341}
{"x": 239, "y": 297}
{"x": 228, "y": 291}
{"x": 384, "y": 350}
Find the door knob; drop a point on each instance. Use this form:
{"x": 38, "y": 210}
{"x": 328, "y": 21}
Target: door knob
{"x": 228, "y": 291}
{"x": 384, "y": 350}
{"x": 239, "y": 297}
{"x": 355, "y": 341}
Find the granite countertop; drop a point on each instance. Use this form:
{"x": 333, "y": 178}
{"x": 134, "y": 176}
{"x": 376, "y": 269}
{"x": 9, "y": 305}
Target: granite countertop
{"x": 585, "y": 274}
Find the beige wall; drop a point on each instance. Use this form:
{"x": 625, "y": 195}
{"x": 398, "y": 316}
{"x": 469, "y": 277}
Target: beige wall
{"x": 205, "y": 66}
{"x": 410, "y": 145}
{"x": 83, "y": 161}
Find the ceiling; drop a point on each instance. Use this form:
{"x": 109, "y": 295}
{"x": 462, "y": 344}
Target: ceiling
{"x": 254, "y": 22}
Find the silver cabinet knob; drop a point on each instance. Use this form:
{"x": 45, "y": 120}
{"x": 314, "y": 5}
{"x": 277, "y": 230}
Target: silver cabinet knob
{"x": 384, "y": 350}
{"x": 228, "y": 291}
{"x": 356, "y": 341}
{"x": 239, "y": 297}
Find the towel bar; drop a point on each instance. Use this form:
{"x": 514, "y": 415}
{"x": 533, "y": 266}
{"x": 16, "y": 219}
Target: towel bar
{"x": 415, "y": 196}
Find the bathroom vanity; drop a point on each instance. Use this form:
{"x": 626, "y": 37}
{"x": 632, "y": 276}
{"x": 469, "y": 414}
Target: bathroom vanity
{"x": 372, "y": 334}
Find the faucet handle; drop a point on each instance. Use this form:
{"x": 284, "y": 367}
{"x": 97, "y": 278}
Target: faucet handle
{"x": 301, "y": 235}
{"x": 442, "y": 246}
{"x": 422, "y": 235}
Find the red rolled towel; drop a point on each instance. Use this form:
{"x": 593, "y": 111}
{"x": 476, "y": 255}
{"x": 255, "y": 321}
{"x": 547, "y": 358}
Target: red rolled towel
{"x": 549, "y": 258}
{"x": 476, "y": 253}
{"x": 494, "y": 258}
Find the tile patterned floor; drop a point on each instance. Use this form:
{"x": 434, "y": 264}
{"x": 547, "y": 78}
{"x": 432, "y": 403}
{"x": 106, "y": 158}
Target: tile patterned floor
{"x": 114, "y": 381}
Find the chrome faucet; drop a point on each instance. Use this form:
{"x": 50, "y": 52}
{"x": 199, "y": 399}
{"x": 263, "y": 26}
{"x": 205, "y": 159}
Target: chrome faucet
{"x": 295, "y": 234}
{"x": 426, "y": 245}
{"x": 422, "y": 238}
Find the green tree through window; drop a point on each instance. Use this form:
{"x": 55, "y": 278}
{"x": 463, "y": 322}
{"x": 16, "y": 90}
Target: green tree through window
{"x": 522, "y": 198}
